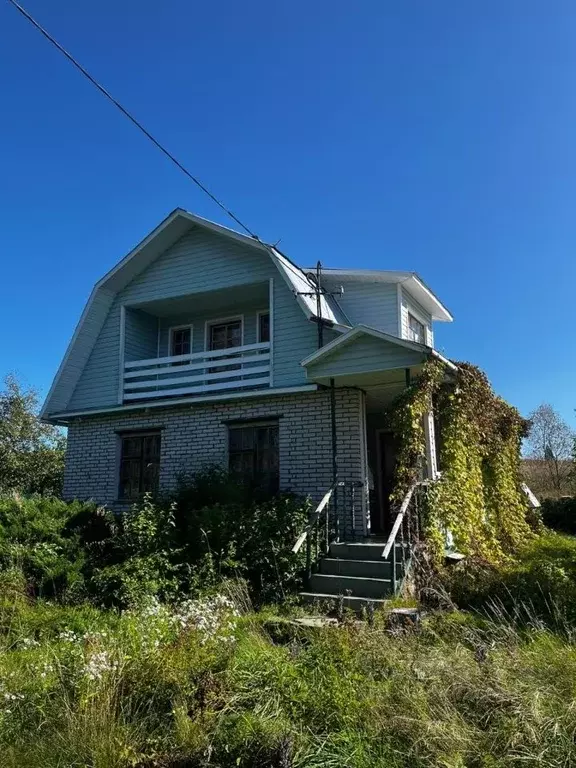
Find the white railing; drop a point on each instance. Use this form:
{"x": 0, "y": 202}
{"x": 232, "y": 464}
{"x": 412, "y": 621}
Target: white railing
{"x": 198, "y": 373}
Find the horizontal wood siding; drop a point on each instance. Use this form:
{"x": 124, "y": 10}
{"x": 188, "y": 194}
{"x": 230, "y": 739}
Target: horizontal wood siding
{"x": 410, "y": 305}
{"x": 200, "y": 261}
{"x": 140, "y": 335}
{"x": 365, "y": 354}
{"x": 78, "y": 354}
{"x": 372, "y": 304}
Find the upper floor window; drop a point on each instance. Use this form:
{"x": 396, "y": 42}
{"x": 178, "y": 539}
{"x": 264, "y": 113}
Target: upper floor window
{"x": 181, "y": 340}
{"x": 139, "y": 465}
{"x": 263, "y": 326}
{"x": 416, "y": 330}
{"x": 253, "y": 455}
{"x": 226, "y": 334}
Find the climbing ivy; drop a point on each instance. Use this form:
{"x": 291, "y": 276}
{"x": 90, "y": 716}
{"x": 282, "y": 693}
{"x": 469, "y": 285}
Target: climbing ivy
{"x": 478, "y": 498}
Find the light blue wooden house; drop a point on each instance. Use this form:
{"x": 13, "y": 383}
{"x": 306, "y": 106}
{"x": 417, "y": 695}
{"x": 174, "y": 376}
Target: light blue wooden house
{"x": 204, "y": 346}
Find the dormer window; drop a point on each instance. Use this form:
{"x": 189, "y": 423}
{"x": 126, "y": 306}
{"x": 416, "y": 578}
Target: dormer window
{"x": 416, "y": 330}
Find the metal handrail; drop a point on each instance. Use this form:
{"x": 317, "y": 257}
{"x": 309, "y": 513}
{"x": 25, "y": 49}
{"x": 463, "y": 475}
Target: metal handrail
{"x": 532, "y": 499}
{"x": 313, "y": 519}
{"x": 398, "y": 528}
{"x": 325, "y": 521}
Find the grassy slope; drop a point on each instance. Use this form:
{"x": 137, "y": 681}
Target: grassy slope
{"x": 201, "y": 686}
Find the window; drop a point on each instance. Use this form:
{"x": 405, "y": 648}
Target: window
{"x": 139, "y": 464}
{"x": 226, "y": 335}
{"x": 263, "y": 326}
{"x": 181, "y": 342}
{"x": 253, "y": 455}
{"x": 416, "y": 330}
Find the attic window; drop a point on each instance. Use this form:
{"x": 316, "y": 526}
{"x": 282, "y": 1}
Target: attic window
{"x": 416, "y": 330}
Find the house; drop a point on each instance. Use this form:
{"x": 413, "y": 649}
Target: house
{"x": 205, "y": 346}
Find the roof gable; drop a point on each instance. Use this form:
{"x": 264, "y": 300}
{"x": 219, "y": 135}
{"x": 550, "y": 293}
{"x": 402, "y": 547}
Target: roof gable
{"x": 133, "y": 266}
{"x": 357, "y": 336}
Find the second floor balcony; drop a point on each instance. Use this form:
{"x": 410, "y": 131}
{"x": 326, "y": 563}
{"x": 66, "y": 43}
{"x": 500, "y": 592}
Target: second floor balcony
{"x": 198, "y": 345}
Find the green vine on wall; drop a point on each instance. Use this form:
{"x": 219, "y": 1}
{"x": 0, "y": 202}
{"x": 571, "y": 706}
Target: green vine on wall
{"x": 478, "y": 498}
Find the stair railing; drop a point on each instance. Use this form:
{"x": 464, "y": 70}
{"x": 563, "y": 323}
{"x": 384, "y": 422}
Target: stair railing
{"x": 406, "y": 529}
{"x": 325, "y": 521}
{"x": 532, "y": 499}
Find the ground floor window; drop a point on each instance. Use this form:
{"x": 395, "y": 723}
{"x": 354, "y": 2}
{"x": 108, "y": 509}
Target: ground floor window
{"x": 253, "y": 455}
{"x": 139, "y": 464}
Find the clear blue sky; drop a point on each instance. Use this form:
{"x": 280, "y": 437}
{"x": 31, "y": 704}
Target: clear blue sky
{"x": 438, "y": 137}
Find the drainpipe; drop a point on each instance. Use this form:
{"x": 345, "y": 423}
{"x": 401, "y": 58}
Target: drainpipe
{"x": 334, "y": 455}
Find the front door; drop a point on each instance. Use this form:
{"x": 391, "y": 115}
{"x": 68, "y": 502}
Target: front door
{"x": 387, "y": 448}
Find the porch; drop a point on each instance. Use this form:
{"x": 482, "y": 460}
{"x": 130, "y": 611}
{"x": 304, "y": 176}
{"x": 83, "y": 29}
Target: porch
{"x": 381, "y": 366}
{"x": 196, "y": 345}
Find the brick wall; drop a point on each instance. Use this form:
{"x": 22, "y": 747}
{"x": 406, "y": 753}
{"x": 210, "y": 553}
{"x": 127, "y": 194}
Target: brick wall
{"x": 196, "y": 436}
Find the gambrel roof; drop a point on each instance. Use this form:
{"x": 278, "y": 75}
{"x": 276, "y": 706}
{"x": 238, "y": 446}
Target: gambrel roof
{"x": 157, "y": 242}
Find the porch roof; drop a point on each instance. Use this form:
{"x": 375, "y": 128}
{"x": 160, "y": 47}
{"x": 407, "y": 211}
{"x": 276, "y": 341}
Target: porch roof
{"x": 364, "y": 351}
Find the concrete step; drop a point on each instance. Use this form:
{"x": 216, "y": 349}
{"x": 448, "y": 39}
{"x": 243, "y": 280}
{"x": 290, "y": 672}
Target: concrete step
{"x": 354, "y": 603}
{"x": 357, "y": 586}
{"x": 376, "y": 569}
{"x": 362, "y": 550}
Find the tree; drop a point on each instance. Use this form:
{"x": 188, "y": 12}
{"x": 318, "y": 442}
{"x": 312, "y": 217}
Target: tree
{"x": 551, "y": 448}
{"x": 31, "y": 453}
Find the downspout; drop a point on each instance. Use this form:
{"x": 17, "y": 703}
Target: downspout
{"x": 334, "y": 455}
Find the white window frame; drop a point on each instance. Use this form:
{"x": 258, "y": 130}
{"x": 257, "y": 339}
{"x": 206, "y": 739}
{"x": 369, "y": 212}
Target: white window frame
{"x": 418, "y": 319}
{"x": 220, "y": 321}
{"x": 258, "y": 316}
{"x": 172, "y": 328}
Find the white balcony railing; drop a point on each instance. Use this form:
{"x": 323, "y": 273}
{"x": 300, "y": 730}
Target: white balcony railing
{"x": 199, "y": 373}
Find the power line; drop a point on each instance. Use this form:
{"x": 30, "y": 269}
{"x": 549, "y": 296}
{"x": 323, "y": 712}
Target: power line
{"x": 130, "y": 117}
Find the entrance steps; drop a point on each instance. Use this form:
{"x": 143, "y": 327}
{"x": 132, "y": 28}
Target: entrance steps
{"x": 357, "y": 573}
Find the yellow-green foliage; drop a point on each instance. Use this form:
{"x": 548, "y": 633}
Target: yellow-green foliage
{"x": 478, "y": 497}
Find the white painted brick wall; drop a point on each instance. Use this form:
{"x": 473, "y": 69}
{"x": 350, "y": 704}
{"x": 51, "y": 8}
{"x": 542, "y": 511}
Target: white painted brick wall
{"x": 196, "y": 436}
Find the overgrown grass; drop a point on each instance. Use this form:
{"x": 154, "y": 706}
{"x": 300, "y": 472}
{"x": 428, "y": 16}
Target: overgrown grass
{"x": 538, "y": 588}
{"x": 209, "y": 683}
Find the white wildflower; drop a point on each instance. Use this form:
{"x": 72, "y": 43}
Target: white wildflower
{"x": 213, "y": 617}
{"x": 99, "y": 664}
{"x": 29, "y": 642}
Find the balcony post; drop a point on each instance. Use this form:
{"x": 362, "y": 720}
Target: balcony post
{"x": 121, "y": 354}
{"x": 271, "y": 314}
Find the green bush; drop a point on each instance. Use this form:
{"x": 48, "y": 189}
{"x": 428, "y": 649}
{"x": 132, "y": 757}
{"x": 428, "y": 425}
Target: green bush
{"x": 212, "y": 529}
{"x": 33, "y": 538}
{"x": 538, "y": 588}
{"x": 219, "y": 521}
{"x": 560, "y": 514}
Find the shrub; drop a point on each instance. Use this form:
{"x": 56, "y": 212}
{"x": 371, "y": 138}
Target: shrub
{"x": 33, "y": 538}
{"x": 212, "y": 529}
{"x": 560, "y": 514}
{"x": 139, "y": 561}
{"x": 539, "y": 588}
{"x": 219, "y": 522}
